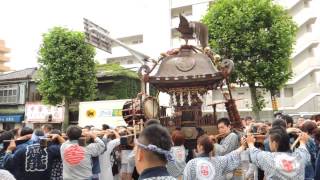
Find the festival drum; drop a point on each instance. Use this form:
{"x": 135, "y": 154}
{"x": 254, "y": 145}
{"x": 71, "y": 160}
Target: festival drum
{"x": 132, "y": 110}
{"x": 151, "y": 108}
{"x": 135, "y": 109}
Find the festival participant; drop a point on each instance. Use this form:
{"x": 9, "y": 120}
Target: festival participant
{"x": 25, "y": 134}
{"x": 243, "y": 123}
{"x": 105, "y": 127}
{"x": 317, "y": 164}
{"x": 152, "y": 153}
{"x": 112, "y": 140}
{"x": 278, "y": 123}
{"x": 248, "y": 123}
{"x": 300, "y": 122}
{"x": 278, "y": 115}
{"x": 56, "y": 170}
{"x": 16, "y": 132}
{"x": 33, "y": 162}
{"x": 126, "y": 148}
{"x": 176, "y": 167}
{"x": 6, "y": 175}
{"x": 280, "y": 163}
{"x": 24, "y": 139}
{"x": 77, "y": 163}
{"x": 131, "y": 157}
{"x": 309, "y": 127}
{"x": 95, "y": 161}
{"x": 47, "y": 128}
{"x": 7, "y": 135}
{"x": 231, "y": 140}
{"x": 288, "y": 120}
{"x": 316, "y": 118}
{"x": 205, "y": 167}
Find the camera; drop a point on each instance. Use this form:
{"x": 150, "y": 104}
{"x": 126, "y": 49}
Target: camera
{"x": 123, "y": 141}
{"x": 126, "y": 140}
{"x": 254, "y": 129}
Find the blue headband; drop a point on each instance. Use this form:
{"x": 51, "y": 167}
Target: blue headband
{"x": 156, "y": 149}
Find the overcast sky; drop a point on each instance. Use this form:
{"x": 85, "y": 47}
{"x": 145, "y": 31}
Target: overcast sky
{"x": 24, "y": 22}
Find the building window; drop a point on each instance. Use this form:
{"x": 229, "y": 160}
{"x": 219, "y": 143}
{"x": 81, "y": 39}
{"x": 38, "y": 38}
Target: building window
{"x": 121, "y": 60}
{"x": 35, "y": 97}
{"x": 9, "y": 94}
{"x": 129, "y": 40}
{"x": 288, "y": 92}
{"x": 185, "y": 10}
{"x": 174, "y": 33}
{"x": 130, "y": 61}
{"x": 137, "y": 41}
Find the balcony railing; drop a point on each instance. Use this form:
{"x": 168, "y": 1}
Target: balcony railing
{"x": 288, "y": 4}
{"x": 304, "y": 64}
{"x": 300, "y": 49}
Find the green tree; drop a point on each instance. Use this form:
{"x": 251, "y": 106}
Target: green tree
{"x": 258, "y": 35}
{"x": 67, "y": 69}
{"x": 116, "y": 82}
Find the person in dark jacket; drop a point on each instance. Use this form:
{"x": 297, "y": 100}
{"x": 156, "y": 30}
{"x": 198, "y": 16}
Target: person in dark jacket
{"x": 309, "y": 127}
{"x": 33, "y": 162}
{"x": 7, "y": 135}
{"x": 56, "y": 170}
{"x": 25, "y": 134}
{"x": 152, "y": 151}
{"x": 317, "y": 162}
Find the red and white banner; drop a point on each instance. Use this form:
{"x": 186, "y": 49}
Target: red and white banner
{"x": 38, "y": 112}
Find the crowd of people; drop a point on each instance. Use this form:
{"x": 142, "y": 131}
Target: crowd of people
{"x": 287, "y": 151}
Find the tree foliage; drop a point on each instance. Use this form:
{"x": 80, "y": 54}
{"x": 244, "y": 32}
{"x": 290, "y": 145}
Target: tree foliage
{"x": 67, "y": 69}
{"x": 258, "y": 35}
{"x": 115, "y": 70}
{"x": 116, "y": 82}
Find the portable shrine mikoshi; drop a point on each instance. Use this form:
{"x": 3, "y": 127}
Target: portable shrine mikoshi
{"x": 186, "y": 74}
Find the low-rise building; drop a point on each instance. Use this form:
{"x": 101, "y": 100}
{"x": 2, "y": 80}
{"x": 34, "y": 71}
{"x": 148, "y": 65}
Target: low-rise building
{"x": 16, "y": 88}
{"x": 20, "y": 102}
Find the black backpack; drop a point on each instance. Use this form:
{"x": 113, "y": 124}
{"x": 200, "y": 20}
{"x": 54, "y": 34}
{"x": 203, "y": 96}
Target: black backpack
{"x": 115, "y": 161}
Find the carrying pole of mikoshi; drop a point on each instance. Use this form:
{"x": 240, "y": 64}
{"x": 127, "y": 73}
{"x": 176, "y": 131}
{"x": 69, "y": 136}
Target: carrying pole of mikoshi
{"x": 134, "y": 129}
{"x": 141, "y": 125}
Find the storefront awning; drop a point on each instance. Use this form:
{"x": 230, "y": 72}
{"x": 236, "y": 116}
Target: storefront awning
{"x": 14, "y": 118}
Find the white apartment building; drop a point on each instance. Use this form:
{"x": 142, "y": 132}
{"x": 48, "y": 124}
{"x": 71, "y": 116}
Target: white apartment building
{"x": 301, "y": 95}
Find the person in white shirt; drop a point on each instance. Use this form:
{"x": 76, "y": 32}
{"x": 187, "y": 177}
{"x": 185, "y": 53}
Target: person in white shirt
{"x": 231, "y": 140}
{"x": 77, "y": 163}
{"x": 176, "y": 167}
{"x": 206, "y": 167}
{"x": 6, "y": 175}
{"x": 113, "y": 140}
